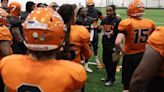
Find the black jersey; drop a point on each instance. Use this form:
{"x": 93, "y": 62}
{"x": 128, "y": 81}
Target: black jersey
{"x": 87, "y": 22}
{"x": 110, "y": 27}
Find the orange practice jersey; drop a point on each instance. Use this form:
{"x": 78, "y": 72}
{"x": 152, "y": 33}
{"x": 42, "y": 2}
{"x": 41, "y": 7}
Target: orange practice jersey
{"x": 4, "y": 35}
{"x": 136, "y": 34}
{"x": 79, "y": 40}
{"x": 156, "y": 40}
{"x": 21, "y": 73}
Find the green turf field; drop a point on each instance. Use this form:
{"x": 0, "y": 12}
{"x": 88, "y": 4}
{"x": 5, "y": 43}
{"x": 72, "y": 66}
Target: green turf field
{"x": 93, "y": 83}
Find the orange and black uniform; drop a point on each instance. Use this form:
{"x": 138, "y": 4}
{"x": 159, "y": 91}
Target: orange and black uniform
{"x": 87, "y": 22}
{"x": 79, "y": 42}
{"x": 156, "y": 41}
{"x": 22, "y": 73}
{"x": 108, "y": 41}
{"x": 5, "y": 35}
{"x": 136, "y": 33}
{"x": 95, "y": 15}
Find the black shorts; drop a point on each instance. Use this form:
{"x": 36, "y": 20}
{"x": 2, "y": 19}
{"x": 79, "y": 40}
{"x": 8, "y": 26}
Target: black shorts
{"x": 156, "y": 85}
{"x": 129, "y": 64}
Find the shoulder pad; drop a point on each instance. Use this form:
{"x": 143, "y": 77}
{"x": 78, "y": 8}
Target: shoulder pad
{"x": 82, "y": 32}
{"x": 124, "y": 24}
{"x": 5, "y": 34}
{"x": 150, "y": 21}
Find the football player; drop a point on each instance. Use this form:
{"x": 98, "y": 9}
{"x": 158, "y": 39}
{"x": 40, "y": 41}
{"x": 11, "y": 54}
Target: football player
{"x": 5, "y": 40}
{"x": 77, "y": 37}
{"x": 16, "y": 28}
{"x": 40, "y": 71}
{"x": 110, "y": 26}
{"x": 83, "y": 19}
{"x": 135, "y": 30}
{"x": 149, "y": 74}
{"x": 95, "y": 15}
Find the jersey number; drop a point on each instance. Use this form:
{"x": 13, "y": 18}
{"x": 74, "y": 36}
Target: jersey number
{"x": 28, "y": 88}
{"x": 13, "y": 7}
{"x": 141, "y": 35}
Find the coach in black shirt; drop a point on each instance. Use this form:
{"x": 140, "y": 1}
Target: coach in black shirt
{"x": 110, "y": 27}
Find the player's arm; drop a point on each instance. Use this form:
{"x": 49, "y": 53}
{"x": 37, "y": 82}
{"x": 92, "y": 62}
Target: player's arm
{"x": 119, "y": 40}
{"x": 146, "y": 70}
{"x": 5, "y": 47}
{"x": 16, "y": 34}
{"x": 122, "y": 28}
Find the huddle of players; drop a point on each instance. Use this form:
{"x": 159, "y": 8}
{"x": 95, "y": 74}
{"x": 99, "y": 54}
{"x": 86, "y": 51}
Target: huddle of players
{"x": 46, "y": 40}
{"x": 135, "y": 30}
{"x": 48, "y": 37}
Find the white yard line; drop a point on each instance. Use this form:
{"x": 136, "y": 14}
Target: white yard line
{"x": 92, "y": 63}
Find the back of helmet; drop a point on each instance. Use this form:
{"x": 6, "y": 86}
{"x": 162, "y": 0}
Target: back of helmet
{"x": 43, "y": 30}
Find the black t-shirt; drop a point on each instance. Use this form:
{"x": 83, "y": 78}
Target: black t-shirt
{"x": 87, "y": 22}
{"x": 110, "y": 24}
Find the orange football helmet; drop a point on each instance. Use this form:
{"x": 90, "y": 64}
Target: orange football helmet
{"x": 15, "y": 8}
{"x": 3, "y": 16}
{"x": 136, "y": 8}
{"x": 90, "y": 2}
{"x": 43, "y": 30}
